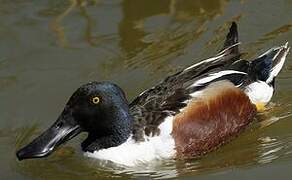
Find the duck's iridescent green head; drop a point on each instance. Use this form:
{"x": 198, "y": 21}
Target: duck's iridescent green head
{"x": 99, "y": 108}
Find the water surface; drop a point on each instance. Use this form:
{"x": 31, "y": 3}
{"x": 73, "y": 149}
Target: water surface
{"x": 49, "y": 48}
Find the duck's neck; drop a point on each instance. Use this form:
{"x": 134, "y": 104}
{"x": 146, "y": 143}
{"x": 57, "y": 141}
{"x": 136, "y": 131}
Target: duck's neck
{"x": 112, "y": 134}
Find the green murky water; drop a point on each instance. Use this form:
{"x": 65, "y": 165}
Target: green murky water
{"x": 49, "y": 48}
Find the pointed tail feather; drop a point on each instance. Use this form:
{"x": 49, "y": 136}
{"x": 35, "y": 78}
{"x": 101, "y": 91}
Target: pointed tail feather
{"x": 268, "y": 65}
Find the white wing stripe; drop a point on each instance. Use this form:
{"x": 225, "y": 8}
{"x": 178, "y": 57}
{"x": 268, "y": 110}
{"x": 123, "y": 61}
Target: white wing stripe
{"x": 220, "y": 55}
{"x": 214, "y": 76}
{"x": 207, "y": 60}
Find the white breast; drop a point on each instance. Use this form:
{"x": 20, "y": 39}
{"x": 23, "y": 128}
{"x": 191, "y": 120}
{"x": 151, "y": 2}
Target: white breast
{"x": 161, "y": 147}
{"x": 132, "y": 153}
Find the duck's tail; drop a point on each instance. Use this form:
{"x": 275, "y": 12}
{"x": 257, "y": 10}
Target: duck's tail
{"x": 262, "y": 72}
{"x": 268, "y": 65}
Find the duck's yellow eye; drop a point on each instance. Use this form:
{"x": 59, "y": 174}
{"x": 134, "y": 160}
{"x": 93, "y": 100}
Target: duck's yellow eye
{"x": 95, "y": 100}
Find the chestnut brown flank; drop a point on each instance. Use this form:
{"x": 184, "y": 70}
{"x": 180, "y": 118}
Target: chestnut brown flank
{"x": 211, "y": 120}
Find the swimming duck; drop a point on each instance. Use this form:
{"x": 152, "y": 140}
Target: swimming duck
{"x": 186, "y": 115}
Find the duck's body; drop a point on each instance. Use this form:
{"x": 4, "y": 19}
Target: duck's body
{"x": 186, "y": 115}
{"x": 133, "y": 153}
{"x": 203, "y": 125}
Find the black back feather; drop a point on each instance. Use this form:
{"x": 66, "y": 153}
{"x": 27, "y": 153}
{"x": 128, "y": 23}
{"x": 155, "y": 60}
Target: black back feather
{"x": 169, "y": 96}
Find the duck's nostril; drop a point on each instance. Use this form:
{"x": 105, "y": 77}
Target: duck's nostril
{"x": 59, "y": 125}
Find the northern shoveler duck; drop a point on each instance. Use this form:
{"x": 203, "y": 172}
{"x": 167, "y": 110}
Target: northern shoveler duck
{"x": 186, "y": 115}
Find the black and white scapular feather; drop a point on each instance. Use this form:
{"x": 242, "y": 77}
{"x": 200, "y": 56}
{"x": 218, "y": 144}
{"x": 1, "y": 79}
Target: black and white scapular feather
{"x": 187, "y": 114}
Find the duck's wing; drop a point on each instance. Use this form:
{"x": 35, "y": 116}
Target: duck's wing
{"x": 226, "y": 56}
{"x": 152, "y": 106}
{"x": 232, "y": 39}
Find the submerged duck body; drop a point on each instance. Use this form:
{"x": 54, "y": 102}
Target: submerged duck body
{"x": 186, "y": 115}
